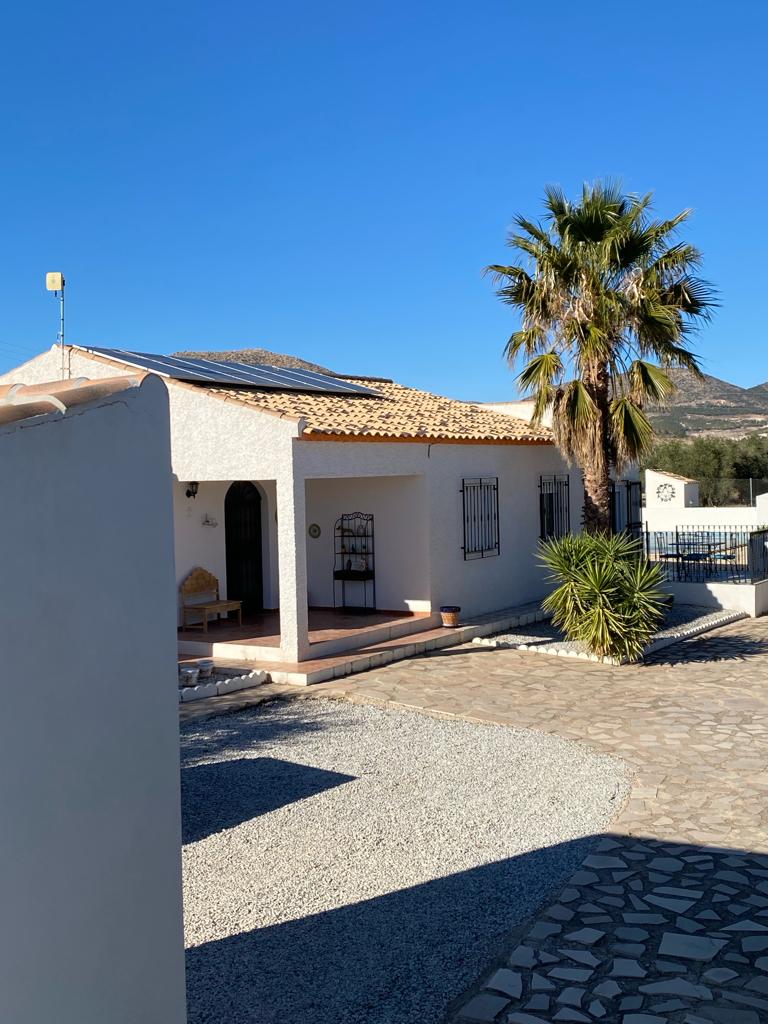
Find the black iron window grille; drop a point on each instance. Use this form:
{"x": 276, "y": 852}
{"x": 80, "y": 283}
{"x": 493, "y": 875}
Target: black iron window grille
{"x": 480, "y": 499}
{"x": 554, "y": 507}
{"x": 626, "y": 507}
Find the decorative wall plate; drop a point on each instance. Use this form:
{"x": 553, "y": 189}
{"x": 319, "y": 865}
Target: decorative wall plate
{"x": 314, "y": 531}
{"x": 665, "y": 492}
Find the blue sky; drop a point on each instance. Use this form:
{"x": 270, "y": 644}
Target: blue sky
{"x": 330, "y": 179}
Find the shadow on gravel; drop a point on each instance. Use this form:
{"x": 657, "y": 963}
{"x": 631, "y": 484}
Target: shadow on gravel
{"x": 697, "y": 918}
{"x": 395, "y": 959}
{"x": 214, "y": 736}
{"x": 245, "y": 788}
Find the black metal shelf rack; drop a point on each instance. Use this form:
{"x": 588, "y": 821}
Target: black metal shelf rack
{"x": 354, "y": 561}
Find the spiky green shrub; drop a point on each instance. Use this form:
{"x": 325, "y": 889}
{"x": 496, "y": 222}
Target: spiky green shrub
{"x": 608, "y": 595}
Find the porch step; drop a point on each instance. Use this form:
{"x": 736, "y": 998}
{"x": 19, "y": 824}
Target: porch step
{"x": 374, "y": 655}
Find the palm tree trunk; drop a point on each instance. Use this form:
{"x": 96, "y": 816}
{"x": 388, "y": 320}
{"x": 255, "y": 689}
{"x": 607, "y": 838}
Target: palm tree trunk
{"x": 596, "y": 464}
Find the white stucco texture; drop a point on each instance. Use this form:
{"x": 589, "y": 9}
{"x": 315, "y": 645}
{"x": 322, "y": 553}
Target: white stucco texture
{"x": 90, "y": 884}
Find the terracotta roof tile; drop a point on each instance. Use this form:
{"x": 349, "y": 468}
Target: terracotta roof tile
{"x": 22, "y": 401}
{"x": 401, "y": 413}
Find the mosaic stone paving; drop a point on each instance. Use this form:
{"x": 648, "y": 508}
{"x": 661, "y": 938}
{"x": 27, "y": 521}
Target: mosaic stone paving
{"x": 667, "y": 921}
{"x": 644, "y": 933}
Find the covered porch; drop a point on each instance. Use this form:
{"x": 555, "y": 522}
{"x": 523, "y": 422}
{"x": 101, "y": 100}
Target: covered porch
{"x": 330, "y": 631}
{"x": 278, "y": 546}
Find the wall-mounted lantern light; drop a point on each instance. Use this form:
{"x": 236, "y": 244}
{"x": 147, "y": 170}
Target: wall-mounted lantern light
{"x": 192, "y": 488}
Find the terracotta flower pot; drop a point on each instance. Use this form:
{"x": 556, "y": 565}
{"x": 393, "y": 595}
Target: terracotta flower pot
{"x": 450, "y": 615}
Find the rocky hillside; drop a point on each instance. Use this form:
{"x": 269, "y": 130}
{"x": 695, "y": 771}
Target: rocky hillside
{"x": 712, "y": 407}
{"x": 255, "y": 356}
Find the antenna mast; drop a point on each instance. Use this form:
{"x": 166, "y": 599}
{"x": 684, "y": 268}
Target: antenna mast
{"x": 54, "y": 282}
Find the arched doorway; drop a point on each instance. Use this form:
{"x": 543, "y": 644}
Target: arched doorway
{"x": 242, "y": 529}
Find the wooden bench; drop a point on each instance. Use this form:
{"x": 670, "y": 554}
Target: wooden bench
{"x": 201, "y": 584}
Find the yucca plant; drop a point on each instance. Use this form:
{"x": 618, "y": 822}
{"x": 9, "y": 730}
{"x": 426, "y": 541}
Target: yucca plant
{"x": 608, "y": 595}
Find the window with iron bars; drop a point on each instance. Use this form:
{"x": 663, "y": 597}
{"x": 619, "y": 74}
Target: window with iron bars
{"x": 554, "y": 507}
{"x": 480, "y": 499}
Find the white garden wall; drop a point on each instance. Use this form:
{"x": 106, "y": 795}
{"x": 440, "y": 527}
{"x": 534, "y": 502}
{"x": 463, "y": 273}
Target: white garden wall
{"x": 90, "y": 882}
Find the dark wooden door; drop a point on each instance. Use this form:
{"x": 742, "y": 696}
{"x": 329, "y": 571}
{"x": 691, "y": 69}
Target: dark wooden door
{"x": 242, "y": 526}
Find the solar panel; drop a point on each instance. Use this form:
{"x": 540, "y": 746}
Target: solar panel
{"x": 211, "y": 371}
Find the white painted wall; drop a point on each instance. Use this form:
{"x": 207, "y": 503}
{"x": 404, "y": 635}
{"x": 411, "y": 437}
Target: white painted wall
{"x": 684, "y": 510}
{"x": 90, "y": 883}
{"x": 751, "y": 598}
{"x": 399, "y": 507}
{"x": 199, "y": 544}
{"x": 479, "y": 585}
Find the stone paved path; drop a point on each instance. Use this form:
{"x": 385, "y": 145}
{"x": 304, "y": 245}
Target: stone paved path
{"x": 667, "y": 921}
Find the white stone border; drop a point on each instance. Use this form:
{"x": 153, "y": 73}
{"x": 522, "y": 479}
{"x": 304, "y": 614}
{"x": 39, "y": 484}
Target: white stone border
{"x": 698, "y": 626}
{"x": 218, "y": 689}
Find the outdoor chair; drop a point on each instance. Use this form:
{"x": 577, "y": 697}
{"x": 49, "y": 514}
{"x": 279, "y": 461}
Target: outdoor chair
{"x": 200, "y": 599}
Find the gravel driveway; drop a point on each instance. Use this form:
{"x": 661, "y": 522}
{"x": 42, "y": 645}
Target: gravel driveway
{"x": 347, "y": 865}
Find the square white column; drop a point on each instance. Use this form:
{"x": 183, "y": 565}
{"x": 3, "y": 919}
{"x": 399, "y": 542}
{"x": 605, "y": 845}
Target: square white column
{"x": 292, "y": 568}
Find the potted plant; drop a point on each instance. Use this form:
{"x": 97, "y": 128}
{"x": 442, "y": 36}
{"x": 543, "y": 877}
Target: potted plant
{"x": 450, "y": 615}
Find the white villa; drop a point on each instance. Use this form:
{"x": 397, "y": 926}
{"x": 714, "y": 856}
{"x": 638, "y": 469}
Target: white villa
{"x": 451, "y": 500}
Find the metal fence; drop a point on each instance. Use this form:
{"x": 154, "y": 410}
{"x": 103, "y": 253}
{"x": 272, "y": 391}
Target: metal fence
{"x": 719, "y": 491}
{"x": 697, "y": 554}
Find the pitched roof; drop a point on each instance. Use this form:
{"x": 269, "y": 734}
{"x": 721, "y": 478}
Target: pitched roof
{"x": 22, "y": 401}
{"x": 394, "y": 413}
{"x": 399, "y": 414}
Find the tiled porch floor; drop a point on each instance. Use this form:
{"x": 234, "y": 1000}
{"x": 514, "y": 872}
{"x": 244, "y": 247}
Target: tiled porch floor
{"x": 263, "y": 628}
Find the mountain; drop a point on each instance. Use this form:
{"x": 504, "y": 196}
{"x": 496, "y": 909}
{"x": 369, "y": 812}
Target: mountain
{"x": 256, "y": 356}
{"x": 713, "y": 407}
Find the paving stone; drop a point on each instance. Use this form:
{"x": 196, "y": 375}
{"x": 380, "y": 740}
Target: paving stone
{"x": 541, "y": 984}
{"x": 586, "y": 936}
{"x": 631, "y": 1003}
{"x": 631, "y": 934}
{"x": 685, "y": 924}
{"x": 600, "y": 862}
{"x": 727, "y": 1015}
{"x": 522, "y": 956}
{"x": 676, "y": 987}
{"x": 569, "y": 1014}
{"x": 571, "y": 996}
{"x": 580, "y": 956}
{"x": 719, "y": 975}
{"x": 538, "y": 1001}
{"x": 543, "y": 930}
{"x": 671, "y": 864}
{"x": 755, "y": 943}
{"x": 643, "y": 1018}
{"x": 607, "y": 989}
{"x": 506, "y": 981}
{"x": 484, "y": 1007}
{"x": 570, "y": 973}
{"x": 559, "y": 913}
{"x": 669, "y": 903}
{"x": 623, "y": 968}
{"x": 597, "y": 1009}
{"x": 690, "y": 947}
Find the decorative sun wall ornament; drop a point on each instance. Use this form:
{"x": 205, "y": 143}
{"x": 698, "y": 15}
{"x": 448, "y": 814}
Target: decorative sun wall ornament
{"x": 665, "y": 492}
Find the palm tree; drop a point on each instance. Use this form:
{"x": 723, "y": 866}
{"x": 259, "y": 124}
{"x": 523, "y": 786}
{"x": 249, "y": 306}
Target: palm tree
{"x": 605, "y": 288}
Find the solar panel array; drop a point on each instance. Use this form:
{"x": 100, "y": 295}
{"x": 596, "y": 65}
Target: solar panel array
{"x": 231, "y": 374}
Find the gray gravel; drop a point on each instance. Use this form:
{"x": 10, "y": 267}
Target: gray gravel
{"x": 348, "y": 865}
